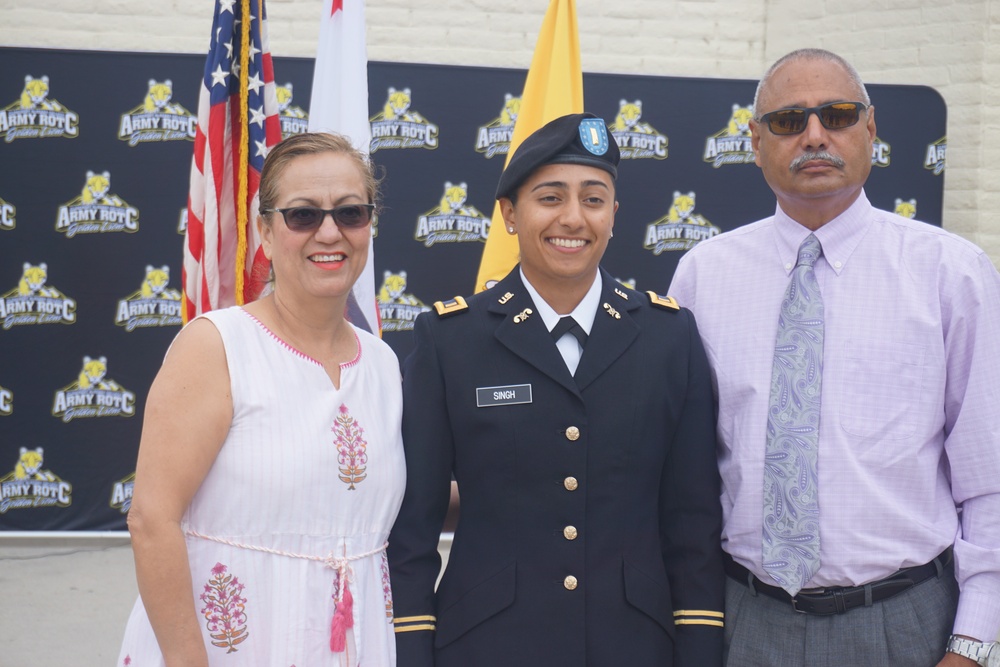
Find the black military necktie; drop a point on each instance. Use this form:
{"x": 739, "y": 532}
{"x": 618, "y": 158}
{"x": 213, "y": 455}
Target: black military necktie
{"x": 568, "y": 325}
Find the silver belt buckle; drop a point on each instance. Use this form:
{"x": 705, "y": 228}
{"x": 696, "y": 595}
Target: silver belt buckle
{"x": 795, "y": 607}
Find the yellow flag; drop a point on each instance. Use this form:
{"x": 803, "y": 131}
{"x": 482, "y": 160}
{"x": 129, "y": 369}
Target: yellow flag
{"x": 554, "y": 88}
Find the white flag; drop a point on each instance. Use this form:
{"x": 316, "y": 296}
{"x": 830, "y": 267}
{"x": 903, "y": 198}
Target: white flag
{"x": 340, "y": 104}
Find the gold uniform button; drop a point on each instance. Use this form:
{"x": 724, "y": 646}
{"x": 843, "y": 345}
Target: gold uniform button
{"x": 573, "y": 433}
{"x": 570, "y": 583}
{"x": 570, "y": 483}
{"x": 570, "y": 533}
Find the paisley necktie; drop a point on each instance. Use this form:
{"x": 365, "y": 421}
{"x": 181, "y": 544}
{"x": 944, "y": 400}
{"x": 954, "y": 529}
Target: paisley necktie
{"x": 791, "y": 505}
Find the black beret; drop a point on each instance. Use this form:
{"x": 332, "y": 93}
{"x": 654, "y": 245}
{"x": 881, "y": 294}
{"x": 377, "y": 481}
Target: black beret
{"x": 579, "y": 138}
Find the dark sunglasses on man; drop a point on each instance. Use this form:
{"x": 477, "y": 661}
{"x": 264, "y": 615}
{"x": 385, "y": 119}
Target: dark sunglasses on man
{"x": 833, "y": 116}
{"x": 306, "y": 218}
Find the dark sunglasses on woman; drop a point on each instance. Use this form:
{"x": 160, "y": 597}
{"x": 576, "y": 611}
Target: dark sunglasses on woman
{"x": 306, "y": 218}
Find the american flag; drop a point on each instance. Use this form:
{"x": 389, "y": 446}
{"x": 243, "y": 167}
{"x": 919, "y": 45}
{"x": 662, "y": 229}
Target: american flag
{"x": 237, "y": 124}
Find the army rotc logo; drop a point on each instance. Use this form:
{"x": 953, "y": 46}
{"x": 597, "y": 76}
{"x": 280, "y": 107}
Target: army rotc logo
{"x": 452, "y": 221}
{"x": 94, "y": 394}
{"x": 34, "y": 302}
{"x": 35, "y": 115}
{"x": 153, "y": 304}
{"x": 30, "y": 486}
{"x": 157, "y": 118}
{"x": 731, "y": 145}
{"x": 907, "y": 209}
{"x": 398, "y": 126}
{"x": 96, "y": 210}
{"x": 934, "y": 159}
{"x": 680, "y": 229}
{"x": 6, "y": 402}
{"x": 637, "y": 140}
{"x": 7, "y": 212}
{"x": 880, "y": 153}
{"x": 494, "y": 137}
{"x": 293, "y": 119}
{"x": 397, "y": 309}
{"x": 121, "y": 494}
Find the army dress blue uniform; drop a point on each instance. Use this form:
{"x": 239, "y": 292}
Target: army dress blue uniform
{"x": 590, "y": 514}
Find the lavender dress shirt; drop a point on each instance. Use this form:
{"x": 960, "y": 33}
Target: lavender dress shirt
{"x": 909, "y": 450}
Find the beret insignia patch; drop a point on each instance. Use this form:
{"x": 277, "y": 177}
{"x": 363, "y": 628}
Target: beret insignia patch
{"x": 594, "y": 135}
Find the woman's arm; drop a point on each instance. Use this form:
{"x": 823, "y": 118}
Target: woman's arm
{"x": 187, "y": 417}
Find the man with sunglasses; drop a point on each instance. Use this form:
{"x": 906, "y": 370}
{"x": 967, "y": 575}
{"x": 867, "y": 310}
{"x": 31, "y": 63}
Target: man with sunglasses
{"x": 855, "y": 357}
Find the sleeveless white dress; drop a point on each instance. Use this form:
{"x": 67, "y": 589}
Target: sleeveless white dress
{"x": 307, "y": 472}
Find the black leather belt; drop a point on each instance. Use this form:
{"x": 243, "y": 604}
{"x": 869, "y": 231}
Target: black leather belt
{"x": 839, "y": 599}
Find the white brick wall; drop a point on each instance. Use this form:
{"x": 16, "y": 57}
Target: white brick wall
{"x": 953, "y": 46}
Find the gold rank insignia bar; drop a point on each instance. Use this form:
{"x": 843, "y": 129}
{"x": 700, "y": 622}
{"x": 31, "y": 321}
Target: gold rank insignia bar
{"x": 668, "y": 302}
{"x": 450, "y": 307}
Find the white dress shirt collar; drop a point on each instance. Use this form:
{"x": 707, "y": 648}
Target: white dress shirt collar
{"x": 839, "y": 237}
{"x": 584, "y": 313}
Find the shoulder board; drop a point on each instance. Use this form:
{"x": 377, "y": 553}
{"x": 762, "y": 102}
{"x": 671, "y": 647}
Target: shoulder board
{"x": 450, "y": 307}
{"x": 665, "y": 302}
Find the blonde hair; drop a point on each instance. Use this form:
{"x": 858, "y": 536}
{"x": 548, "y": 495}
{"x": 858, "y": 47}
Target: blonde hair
{"x": 311, "y": 143}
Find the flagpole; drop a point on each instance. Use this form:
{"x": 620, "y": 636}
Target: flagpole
{"x": 241, "y": 183}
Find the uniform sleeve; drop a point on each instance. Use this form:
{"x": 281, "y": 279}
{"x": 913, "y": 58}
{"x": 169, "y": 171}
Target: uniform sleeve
{"x": 692, "y": 520}
{"x": 972, "y": 444}
{"x": 414, "y": 562}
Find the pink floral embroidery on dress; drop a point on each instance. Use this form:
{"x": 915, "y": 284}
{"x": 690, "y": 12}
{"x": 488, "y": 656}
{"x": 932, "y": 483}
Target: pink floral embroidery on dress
{"x": 127, "y": 661}
{"x": 386, "y": 588}
{"x": 225, "y": 609}
{"x": 351, "y": 446}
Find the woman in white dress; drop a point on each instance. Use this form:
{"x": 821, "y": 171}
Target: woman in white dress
{"x": 271, "y": 467}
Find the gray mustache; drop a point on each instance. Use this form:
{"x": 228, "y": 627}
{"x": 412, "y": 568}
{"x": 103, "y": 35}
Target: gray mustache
{"x": 817, "y": 155}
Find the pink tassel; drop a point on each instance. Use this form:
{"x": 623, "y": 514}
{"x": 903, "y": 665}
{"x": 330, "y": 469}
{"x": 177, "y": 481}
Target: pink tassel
{"x": 343, "y": 619}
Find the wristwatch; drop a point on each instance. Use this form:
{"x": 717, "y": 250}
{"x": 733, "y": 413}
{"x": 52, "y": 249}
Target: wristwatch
{"x": 971, "y": 649}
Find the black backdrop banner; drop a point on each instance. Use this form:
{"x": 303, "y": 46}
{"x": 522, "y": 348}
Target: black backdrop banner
{"x": 96, "y": 149}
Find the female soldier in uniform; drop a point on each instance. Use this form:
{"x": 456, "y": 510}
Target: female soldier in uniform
{"x": 583, "y": 448}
